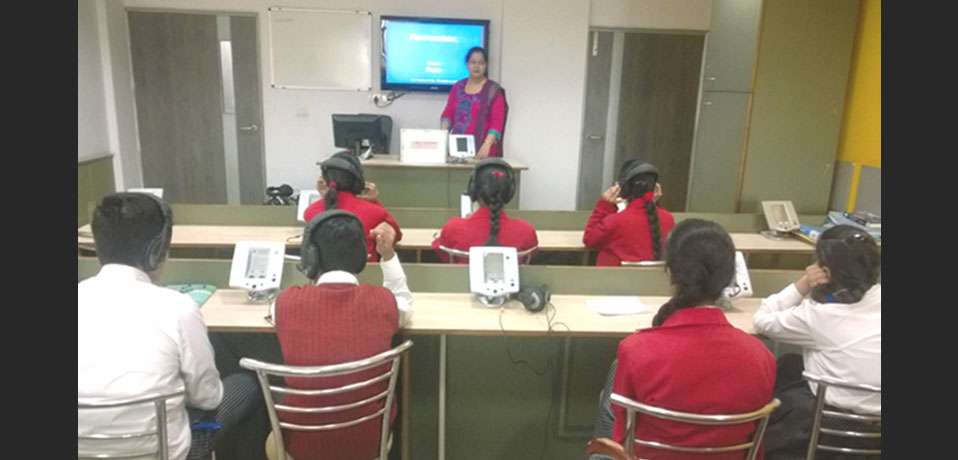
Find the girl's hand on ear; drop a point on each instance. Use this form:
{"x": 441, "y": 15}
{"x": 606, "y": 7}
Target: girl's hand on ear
{"x": 321, "y": 186}
{"x": 611, "y": 194}
{"x": 371, "y": 193}
{"x": 815, "y": 275}
{"x": 657, "y": 193}
{"x": 385, "y": 236}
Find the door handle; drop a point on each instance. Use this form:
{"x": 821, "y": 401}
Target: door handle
{"x": 593, "y": 137}
{"x": 249, "y": 129}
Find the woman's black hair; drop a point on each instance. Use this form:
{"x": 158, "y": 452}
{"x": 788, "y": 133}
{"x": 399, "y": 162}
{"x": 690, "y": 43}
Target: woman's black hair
{"x": 853, "y": 261}
{"x": 495, "y": 188}
{"x": 700, "y": 259}
{"x": 342, "y": 179}
{"x": 477, "y": 49}
{"x": 634, "y": 186}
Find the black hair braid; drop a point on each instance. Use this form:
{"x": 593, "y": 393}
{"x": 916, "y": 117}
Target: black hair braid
{"x": 494, "y": 213}
{"x": 688, "y": 294}
{"x": 337, "y": 180}
{"x": 330, "y": 200}
{"x": 655, "y": 231}
{"x": 700, "y": 258}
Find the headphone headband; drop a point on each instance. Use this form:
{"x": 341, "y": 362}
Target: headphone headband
{"x": 348, "y": 162}
{"x": 472, "y": 188}
{"x": 637, "y": 170}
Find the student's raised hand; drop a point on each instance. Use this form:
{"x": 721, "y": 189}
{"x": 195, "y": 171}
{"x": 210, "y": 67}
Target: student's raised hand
{"x": 815, "y": 275}
{"x": 321, "y": 186}
{"x": 611, "y": 194}
{"x": 371, "y": 193}
{"x": 385, "y": 236}
{"x": 657, "y": 192}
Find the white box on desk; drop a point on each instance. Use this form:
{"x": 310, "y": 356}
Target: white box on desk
{"x": 423, "y": 146}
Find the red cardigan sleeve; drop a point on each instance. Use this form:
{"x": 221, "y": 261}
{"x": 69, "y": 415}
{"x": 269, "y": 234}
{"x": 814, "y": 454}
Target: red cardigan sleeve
{"x": 388, "y": 218}
{"x": 597, "y": 233}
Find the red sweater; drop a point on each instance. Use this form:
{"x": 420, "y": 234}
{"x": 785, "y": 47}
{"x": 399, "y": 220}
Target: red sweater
{"x": 370, "y": 213}
{"x": 463, "y": 234}
{"x": 695, "y": 362}
{"x": 331, "y": 324}
{"x": 624, "y": 235}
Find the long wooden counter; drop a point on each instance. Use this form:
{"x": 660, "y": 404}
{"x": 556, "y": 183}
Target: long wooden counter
{"x": 228, "y": 310}
{"x": 420, "y": 239}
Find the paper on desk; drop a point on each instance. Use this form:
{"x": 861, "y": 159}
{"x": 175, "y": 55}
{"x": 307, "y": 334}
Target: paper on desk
{"x": 619, "y": 305}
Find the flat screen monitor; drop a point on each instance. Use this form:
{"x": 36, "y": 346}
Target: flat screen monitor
{"x": 428, "y": 54}
{"x": 362, "y": 133}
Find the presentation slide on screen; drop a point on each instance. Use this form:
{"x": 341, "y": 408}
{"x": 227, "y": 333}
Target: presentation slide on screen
{"x": 423, "y": 53}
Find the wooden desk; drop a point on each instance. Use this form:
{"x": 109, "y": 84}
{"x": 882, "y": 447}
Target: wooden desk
{"x": 426, "y": 185}
{"x": 228, "y": 310}
{"x": 420, "y": 239}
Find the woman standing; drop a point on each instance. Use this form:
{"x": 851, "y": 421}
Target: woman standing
{"x": 477, "y": 106}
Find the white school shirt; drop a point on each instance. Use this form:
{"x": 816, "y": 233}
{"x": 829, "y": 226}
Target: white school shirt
{"x": 133, "y": 339}
{"x": 841, "y": 341}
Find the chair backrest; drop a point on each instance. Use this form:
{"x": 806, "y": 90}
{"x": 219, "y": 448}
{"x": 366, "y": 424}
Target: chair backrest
{"x": 524, "y": 256}
{"x": 162, "y": 449}
{"x": 821, "y": 414}
{"x": 644, "y": 263}
{"x": 264, "y": 370}
{"x": 752, "y": 446}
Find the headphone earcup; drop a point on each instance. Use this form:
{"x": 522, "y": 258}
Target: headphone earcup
{"x": 309, "y": 254}
{"x": 535, "y": 299}
{"x": 159, "y": 244}
{"x": 471, "y": 187}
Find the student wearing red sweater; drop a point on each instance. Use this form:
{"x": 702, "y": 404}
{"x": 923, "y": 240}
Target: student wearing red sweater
{"x": 343, "y": 186}
{"x": 638, "y": 232}
{"x": 692, "y": 359}
{"x": 338, "y": 320}
{"x": 492, "y": 184}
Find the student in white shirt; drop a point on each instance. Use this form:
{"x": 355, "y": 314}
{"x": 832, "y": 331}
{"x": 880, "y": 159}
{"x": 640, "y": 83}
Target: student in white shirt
{"x": 834, "y": 313}
{"x": 135, "y": 338}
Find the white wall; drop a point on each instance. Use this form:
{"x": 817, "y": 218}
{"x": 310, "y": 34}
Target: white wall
{"x": 537, "y": 52}
{"x": 543, "y": 71}
{"x": 651, "y": 14}
{"x": 92, "y": 137}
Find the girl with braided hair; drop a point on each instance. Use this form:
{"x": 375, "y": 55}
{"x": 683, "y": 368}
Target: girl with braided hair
{"x": 492, "y": 184}
{"x": 834, "y": 314}
{"x": 343, "y": 186}
{"x": 692, "y": 359}
{"x": 638, "y": 232}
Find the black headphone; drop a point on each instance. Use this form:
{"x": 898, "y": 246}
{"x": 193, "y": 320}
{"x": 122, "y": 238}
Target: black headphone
{"x": 534, "y": 299}
{"x": 310, "y": 254}
{"x": 638, "y": 169}
{"x": 349, "y": 163}
{"x": 472, "y": 188}
{"x": 155, "y": 252}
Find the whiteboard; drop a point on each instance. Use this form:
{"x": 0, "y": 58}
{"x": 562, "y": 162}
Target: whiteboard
{"x": 320, "y": 49}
